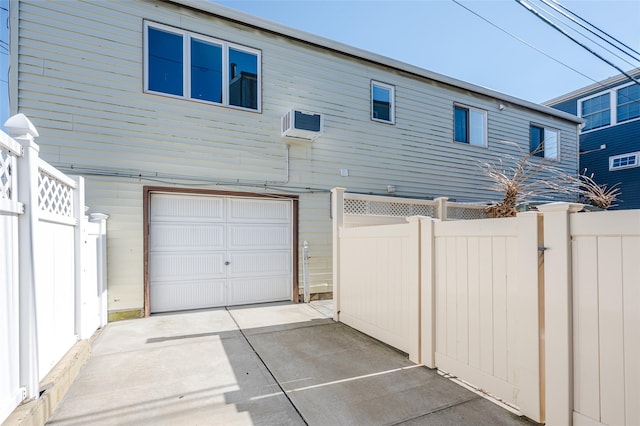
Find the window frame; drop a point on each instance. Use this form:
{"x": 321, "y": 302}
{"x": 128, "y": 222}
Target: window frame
{"x": 544, "y": 151}
{"x": 627, "y": 155}
{"x": 187, "y": 36}
{"x": 392, "y": 101}
{"x": 485, "y": 125}
{"x": 613, "y": 107}
{"x": 616, "y": 103}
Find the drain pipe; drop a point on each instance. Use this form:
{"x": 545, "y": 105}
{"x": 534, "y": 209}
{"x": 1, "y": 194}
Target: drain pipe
{"x": 305, "y": 271}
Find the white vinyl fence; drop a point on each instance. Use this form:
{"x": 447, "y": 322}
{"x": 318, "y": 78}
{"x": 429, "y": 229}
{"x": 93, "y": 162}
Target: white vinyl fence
{"x": 540, "y": 311}
{"x": 53, "y": 283}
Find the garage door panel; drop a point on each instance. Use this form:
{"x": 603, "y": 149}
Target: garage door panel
{"x": 186, "y": 208}
{"x": 258, "y": 290}
{"x": 210, "y": 251}
{"x": 264, "y": 236}
{"x": 246, "y": 264}
{"x": 171, "y": 266}
{"x": 259, "y": 211}
{"x": 197, "y": 237}
{"x": 193, "y": 294}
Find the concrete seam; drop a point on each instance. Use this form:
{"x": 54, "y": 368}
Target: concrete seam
{"x": 286, "y": 395}
{"x": 444, "y": 407}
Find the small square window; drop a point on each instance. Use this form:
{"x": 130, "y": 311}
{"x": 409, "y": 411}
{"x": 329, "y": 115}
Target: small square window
{"x": 470, "y": 125}
{"x": 624, "y": 161}
{"x": 544, "y": 142}
{"x": 382, "y": 102}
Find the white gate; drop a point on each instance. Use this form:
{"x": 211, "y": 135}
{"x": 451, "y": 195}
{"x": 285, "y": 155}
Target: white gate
{"x": 380, "y": 269}
{"x": 488, "y": 307}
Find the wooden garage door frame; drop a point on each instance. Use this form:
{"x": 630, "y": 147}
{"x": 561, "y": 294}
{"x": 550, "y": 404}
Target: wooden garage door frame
{"x": 146, "y": 205}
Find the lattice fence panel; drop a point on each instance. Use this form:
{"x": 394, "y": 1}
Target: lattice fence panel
{"x": 465, "y": 213}
{"x": 54, "y": 196}
{"x": 7, "y": 161}
{"x": 381, "y": 208}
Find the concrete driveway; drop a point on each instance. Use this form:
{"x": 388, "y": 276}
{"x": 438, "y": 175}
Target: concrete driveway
{"x": 272, "y": 364}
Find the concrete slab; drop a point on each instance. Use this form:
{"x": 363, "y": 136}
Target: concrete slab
{"x": 200, "y": 368}
{"x": 336, "y": 375}
{"x": 190, "y": 368}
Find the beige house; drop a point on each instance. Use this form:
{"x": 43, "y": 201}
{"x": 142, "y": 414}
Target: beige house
{"x": 212, "y": 140}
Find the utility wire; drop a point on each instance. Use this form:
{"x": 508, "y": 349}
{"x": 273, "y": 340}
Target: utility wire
{"x": 523, "y": 41}
{"x": 554, "y": 26}
{"x": 594, "y": 26}
{"x": 551, "y": 16}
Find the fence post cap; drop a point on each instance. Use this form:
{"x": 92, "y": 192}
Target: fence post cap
{"x": 561, "y": 207}
{"x": 20, "y": 125}
{"x": 97, "y": 217}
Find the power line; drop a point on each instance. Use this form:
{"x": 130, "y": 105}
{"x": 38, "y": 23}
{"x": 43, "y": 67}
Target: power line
{"x": 550, "y": 16}
{"x": 568, "y": 16}
{"x": 523, "y": 41}
{"x": 594, "y": 26}
{"x": 554, "y": 26}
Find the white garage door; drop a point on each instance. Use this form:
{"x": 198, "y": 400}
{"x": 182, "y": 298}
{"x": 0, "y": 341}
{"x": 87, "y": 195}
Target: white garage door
{"x": 209, "y": 251}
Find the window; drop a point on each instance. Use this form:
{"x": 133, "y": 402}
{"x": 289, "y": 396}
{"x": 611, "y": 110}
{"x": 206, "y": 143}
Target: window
{"x": 628, "y": 106}
{"x": 596, "y": 111}
{"x": 624, "y": 161}
{"x": 382, "y": 102}
{"x": 470, "y": 125}
{"x": 544, "y": 142}
{"x": 187, "y": 65}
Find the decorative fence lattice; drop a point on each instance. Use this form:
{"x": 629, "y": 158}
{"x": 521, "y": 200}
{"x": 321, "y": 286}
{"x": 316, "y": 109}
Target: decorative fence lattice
{"x": 466, "y": 212}
{"x": 6, "y": 171}
{"x": 54, "y": 196}
{"x": 388, "y": 208}
{"x": 392, "y": 207}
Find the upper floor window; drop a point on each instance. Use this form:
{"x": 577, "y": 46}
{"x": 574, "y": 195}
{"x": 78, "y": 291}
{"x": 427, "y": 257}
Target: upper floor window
{"x": 624, "y": 161}
{"x": 187, "y": 65}
{"x": 382, "y": 102}
{"x": 544, "y": 142}
{"x": 610, "y": 107}
{"x": 469, "y": 125}
{"x": 628, "y": 103}
{"x": 596, "y": 111}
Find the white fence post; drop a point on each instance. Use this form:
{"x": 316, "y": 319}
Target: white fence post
{"x": 558, "y": 317}
{"x": 101, "y": 220}
{"x": 337, "y": 213}
{"x": 78, "y": 234}
{"x": 441, "y": 208}
{"x": 427, "y": 294}
{"x": 24, "y": 132}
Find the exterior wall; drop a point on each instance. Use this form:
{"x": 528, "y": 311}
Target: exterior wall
{"x": 80, "y": 79}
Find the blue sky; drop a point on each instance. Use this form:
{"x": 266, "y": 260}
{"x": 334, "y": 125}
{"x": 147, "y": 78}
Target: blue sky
{"x": 441, "y": 36}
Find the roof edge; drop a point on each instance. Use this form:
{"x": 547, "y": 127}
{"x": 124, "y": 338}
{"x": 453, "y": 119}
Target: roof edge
{"x": 227, "y": 13}
{"x": 602, "y": 85}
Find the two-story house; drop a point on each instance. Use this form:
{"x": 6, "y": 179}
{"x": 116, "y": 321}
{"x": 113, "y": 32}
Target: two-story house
{"x": 610, "y": 137}
{"x": 212, "y": 140}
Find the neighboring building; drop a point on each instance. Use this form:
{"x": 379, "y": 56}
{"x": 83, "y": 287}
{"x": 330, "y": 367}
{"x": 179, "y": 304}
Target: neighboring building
{"x": 172, "y": 112}
{"x": 610, "y": 137}
{"x": 4, "y": 62}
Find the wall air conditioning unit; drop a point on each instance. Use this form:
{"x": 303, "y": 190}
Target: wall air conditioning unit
{"x": 301, "y": 125}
